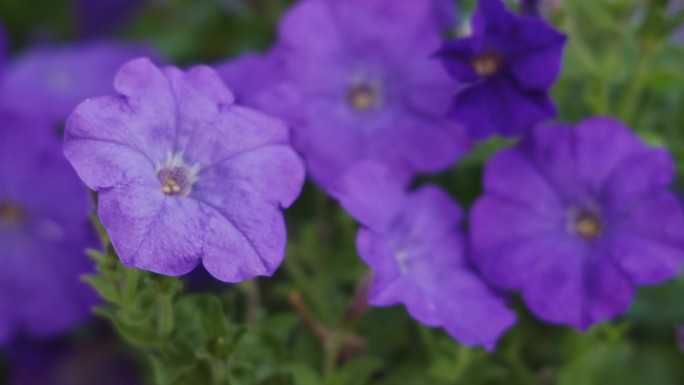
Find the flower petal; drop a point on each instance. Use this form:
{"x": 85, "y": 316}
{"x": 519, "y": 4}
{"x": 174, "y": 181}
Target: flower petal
{"x": 648, "y": 244}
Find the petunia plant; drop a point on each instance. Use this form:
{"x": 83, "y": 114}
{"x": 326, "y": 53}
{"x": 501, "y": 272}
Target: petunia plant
{"x": 333, "y": 192}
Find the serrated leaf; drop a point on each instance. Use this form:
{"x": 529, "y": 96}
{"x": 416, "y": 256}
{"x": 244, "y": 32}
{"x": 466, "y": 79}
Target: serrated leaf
{"x": 103, "y": 286}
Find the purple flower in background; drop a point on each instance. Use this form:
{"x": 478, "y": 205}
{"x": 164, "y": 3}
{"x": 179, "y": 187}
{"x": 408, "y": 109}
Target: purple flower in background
{"x": 673, "y": 7}
{"x": 575, "y": 218}
{"x": 184, "y": 175}
{"x": 445, "y": 13}
{"x": 44, "y": 231}
{"x": 506, "y": 68}
{"x": 413, "y": 244}
{"x": 530, "y": 7}
{"x": 97, "y": 17}
{"x": 3, "y": 49}
{"x": 679, "y": 334}
{"x": 52, "y": 80}
{"x": 356, "y": 80}
{"x": 61, "y": 362}
{"x": 258, "y": 80}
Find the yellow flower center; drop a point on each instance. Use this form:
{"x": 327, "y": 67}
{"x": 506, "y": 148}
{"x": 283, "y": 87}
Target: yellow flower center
{"x": 176, "y": 177}
{"x": 170, "y": 187}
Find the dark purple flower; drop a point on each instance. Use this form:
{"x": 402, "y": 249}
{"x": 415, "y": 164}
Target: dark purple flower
{"x": 506, "y": 68}
{"x": 415, "y": 247}
{"x": 575, "y": 218}
{"x": 51, "y": 80}
{"x": 95, "y": 17}
{"x": 530, "y": 7}
{"x": 184, "y": 175}
{"x": 679, "y": 335}
{"x": 3, "y": 49}
{"x": 356, "y": 80}
{"x": 44, "y": 231}
{"x": 61, "y": 362}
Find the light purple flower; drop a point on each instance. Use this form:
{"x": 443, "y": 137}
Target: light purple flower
{"x": 51, "y": 80}
{"x": 259, "y": 80}
{"x": 44, "y": 231}
{"x": 356, "y": 80}
{"x": 415, "y": 247}
{"x": 184, "y": 175}
{"x": 506, "y": 68}
{"x": 575, "y": 218}
{"x": 445, "y": 13}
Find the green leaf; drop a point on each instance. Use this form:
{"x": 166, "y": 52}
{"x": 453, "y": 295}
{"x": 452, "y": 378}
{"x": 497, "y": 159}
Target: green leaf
{"x": 103, "y": 286}
{"x": 356, "y": 372}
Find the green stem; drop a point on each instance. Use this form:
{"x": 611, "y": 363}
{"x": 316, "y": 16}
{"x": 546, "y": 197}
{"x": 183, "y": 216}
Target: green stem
{"x": 164, "y": 315}
{"x": 331, "y": 351}
{"x": 522, "y": 372}
{"x": 463, "y": 359}
{"x": 250, "y": 288}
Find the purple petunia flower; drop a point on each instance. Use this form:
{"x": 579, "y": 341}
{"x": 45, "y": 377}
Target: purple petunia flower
{"x": 62, "y": 362}
{"x": 673, "y": 7}
{"x": 530, "y": 7}
{"x": 44, "y": 231}
{"x": 356, "y": 80}
{"x": 184, "y": 175}
{"x": 575, "y": 218}
{"x": 259, "y": 80}
{"x": 679, "y": 335}
{"x": 414, "y": 246}
{"x": 52, "y": 80}
{"x": 97, "y": 17}
{"x": 3, "y": 49}
{"x": 506, "y": 68}
{"x": 445, "y": 13}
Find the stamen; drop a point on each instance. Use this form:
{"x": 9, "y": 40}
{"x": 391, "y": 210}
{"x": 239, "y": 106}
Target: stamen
{"x": 10, "y": 212}
{"x": 362, "y": 96}
{"x": 175, "y": 177}
{"x": 487, "y": 64}
{"x": 587, "y": 224}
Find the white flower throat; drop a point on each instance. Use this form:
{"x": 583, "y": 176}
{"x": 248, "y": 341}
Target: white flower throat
{"x": 176, "y": 177}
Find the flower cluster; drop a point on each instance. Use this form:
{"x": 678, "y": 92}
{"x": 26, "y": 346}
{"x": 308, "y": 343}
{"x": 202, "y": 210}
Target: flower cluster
{"x": 194, "y": 167}
{"x": 567, "y": 216}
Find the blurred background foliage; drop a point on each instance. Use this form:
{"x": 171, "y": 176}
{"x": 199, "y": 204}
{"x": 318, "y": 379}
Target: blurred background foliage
{"x": 308, "y": 325}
